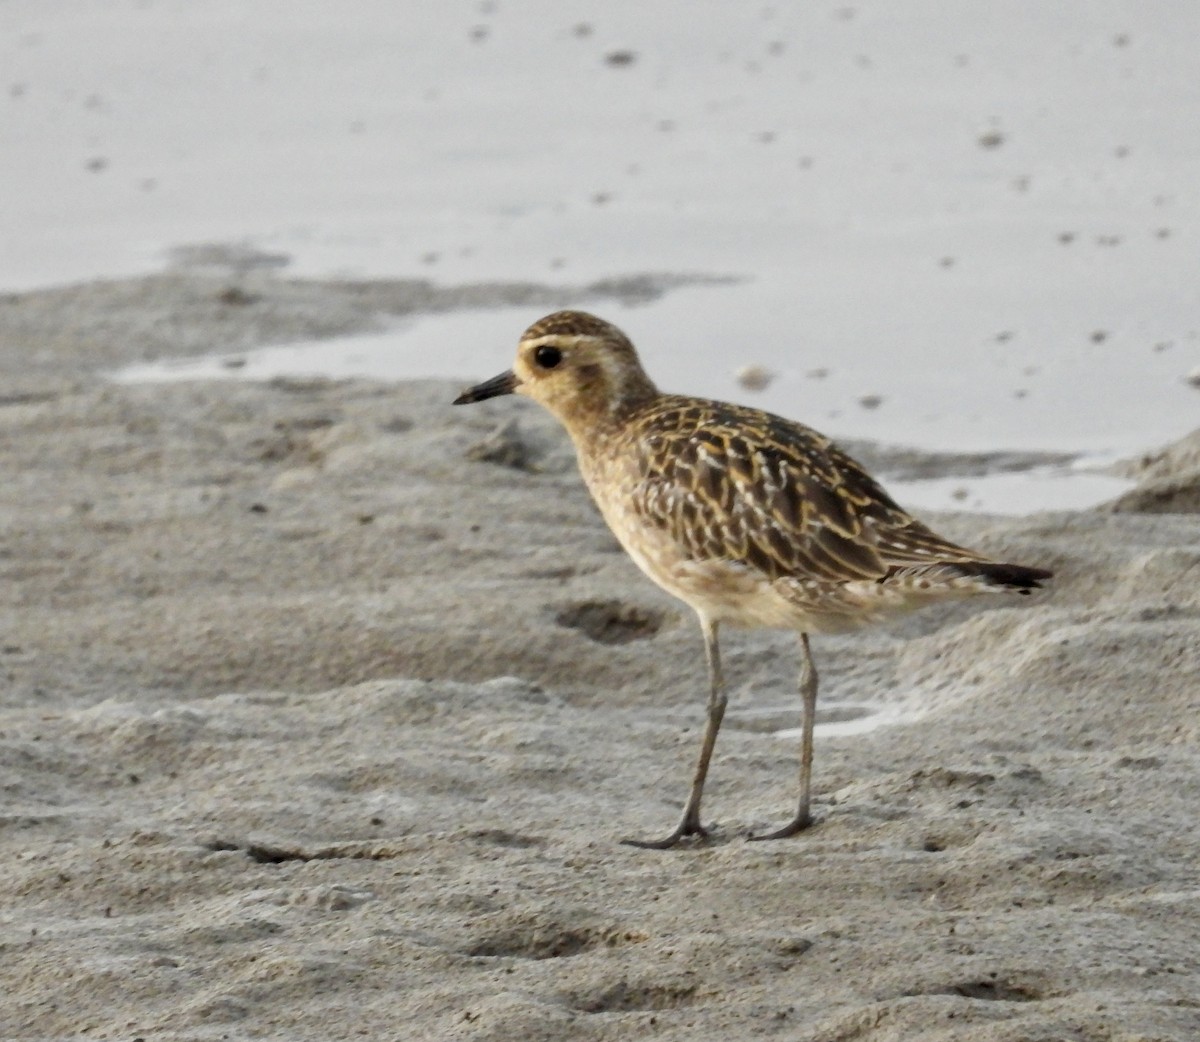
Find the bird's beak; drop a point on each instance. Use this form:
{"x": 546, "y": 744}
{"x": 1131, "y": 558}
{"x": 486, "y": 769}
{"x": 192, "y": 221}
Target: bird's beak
{"x": 505, "y": 383}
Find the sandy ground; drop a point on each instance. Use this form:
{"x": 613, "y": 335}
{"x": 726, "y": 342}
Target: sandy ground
{"x": 325, "y": 706}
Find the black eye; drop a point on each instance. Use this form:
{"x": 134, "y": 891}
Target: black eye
{"x": 547, "y": 357}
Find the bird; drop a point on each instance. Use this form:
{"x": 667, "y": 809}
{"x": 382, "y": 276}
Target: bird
{"x": 749, "y": 518}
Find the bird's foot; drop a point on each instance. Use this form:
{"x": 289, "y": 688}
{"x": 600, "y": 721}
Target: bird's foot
{"x": 798, "y": 824}
{"x": 684, "y": 828}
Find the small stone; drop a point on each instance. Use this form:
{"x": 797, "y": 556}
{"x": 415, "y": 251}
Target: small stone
{"x": 755, "y": 377}
{"x": 620, "y": 59}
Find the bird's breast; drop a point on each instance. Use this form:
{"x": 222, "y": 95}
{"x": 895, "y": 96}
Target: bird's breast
{"x": 723, "y": 590}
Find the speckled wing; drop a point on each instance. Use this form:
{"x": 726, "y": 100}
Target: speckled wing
{"x": 740, "y": 485}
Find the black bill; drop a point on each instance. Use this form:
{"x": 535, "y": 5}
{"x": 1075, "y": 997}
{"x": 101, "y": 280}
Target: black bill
{"x": 505, "y": 383}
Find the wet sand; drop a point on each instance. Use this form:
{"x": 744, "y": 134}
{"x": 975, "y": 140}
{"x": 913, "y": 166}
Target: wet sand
{"x": 326, "y": 706}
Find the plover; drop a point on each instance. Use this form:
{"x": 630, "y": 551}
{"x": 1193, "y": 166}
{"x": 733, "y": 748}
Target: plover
{"x": 748, "y": 518}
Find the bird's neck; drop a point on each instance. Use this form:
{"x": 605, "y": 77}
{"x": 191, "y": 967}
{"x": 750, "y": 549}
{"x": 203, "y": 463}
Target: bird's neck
{"x": 609, "y": 404}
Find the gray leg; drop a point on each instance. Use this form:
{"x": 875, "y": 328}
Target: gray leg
{"x": 808, "y": 691}
{"x": 689, "y": 823}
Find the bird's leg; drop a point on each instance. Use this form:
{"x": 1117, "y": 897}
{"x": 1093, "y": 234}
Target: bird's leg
{"x": 808, "y": 691}
{"x": 689, "y": 823}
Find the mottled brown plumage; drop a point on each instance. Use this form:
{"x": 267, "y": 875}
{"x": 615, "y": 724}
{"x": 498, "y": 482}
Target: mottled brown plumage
{"x": 749, "y": 518}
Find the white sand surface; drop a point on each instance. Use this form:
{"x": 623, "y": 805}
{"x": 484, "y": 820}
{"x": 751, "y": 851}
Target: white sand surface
{"x": 319, "y": 724}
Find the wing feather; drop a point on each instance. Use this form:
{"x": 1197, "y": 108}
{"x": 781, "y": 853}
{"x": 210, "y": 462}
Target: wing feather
{"x": 740, "y": 485}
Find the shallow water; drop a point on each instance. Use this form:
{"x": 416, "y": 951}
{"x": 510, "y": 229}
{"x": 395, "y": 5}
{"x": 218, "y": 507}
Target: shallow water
{"x": 470, "y": 345}
{"x": 936, "y": 240}
{"x": 835, "y": 719}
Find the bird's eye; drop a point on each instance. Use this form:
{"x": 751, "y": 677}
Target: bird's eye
{"x": 547, "y": 357}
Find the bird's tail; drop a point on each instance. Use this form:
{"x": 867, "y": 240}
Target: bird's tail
{"x": 1013, "y": 576}
{"x": 969, "y": 574}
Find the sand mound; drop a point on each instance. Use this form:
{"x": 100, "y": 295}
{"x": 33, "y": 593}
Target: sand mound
{"x": 1168, "y": 481}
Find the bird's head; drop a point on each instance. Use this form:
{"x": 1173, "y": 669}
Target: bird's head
{"x": 576, "y": 365}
